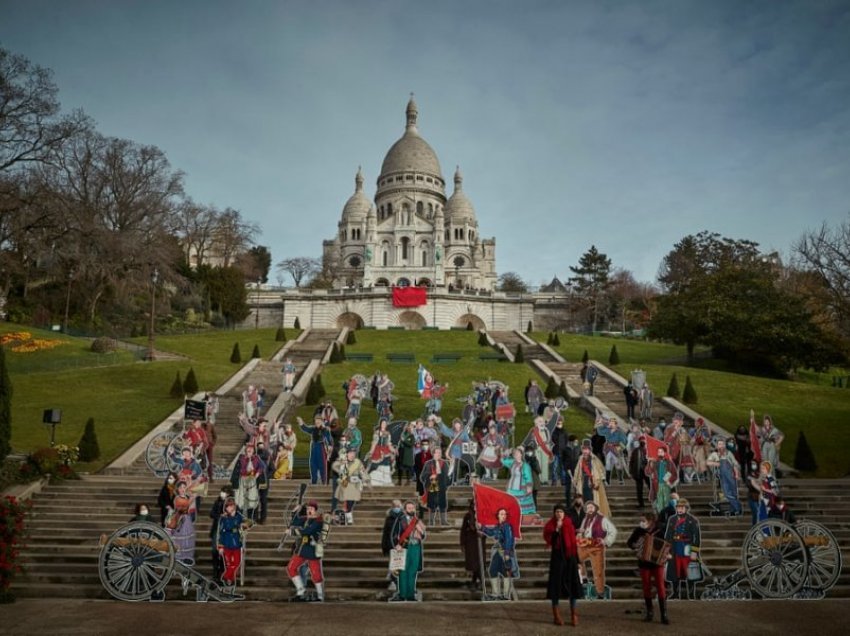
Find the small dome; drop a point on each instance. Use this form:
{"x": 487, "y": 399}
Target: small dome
{"x": 459, "y": 207}
{"x": 358, "y": 205}
{"x": 411, "y": 153}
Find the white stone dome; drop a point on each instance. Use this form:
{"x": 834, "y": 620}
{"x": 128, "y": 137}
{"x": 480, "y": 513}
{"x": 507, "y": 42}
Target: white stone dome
{"x": 411, "y": 153}
{"x": 459, "y": 207}
{"x": 358, "y": 205}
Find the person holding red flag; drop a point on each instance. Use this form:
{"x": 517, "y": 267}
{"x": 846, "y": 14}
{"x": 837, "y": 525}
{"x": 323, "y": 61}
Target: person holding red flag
{"x": 564, "y": 580}
{"x": 662, "y": 472}
{"x": 503, "y": 563}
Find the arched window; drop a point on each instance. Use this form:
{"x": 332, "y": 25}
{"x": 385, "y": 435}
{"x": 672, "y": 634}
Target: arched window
{"x": 424, "y": 258}
{"x": 405, "y": 244}
{"x": 389, "y": 209}
{"x": 403, "y": 282}
{"x": 342, "y": 235}
{"x": 385, "y": 258}
{"x": 430, "y": 209}
{"x": 420, "y": 207}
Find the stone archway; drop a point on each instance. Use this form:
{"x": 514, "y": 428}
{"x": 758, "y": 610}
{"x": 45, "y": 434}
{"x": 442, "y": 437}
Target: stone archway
{"x": 465, "y": 319}
{"x": 349, "y": 319}
{"x": 411, "y": 320}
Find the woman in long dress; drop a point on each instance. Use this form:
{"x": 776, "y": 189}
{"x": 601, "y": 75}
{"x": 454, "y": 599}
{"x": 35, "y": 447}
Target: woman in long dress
{"x": 285, "y": 458}
{"x": 180, "y": 524}
{"x": 564, "y": 580}
{"x": 520, "y": 481}
{"x": 381, "y": 456}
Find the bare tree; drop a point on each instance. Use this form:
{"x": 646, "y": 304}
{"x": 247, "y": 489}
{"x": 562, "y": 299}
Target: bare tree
{"x": 512, "y": 282}
{"x": 233, "y": 235}
{"x": 195, "y": 225}
{"x": 300, "y": 268}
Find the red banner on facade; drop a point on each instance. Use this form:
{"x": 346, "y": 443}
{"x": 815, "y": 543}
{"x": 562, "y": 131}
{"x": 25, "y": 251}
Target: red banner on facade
{"x": 409, "y": 296}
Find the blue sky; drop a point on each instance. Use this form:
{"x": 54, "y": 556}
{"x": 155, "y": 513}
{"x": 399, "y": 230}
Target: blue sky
{"x": 627, "y": 125}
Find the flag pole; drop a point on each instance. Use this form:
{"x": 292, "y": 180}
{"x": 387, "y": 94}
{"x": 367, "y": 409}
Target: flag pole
{"x": 478, "y": 544}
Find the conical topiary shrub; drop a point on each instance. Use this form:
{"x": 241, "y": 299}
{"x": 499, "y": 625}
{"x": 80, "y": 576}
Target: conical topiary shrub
{"x": 256, "y": 352}
{"x": 689, "y": 395}
{"x": 297, "y": 323}
{"x": 280, "y": 335}
{"x": 529, "y": 328}
{"x": 320, "y": 388}
{"x": 804, "y": 458}
{"x": 585, "y": 357}
{"x": 351, "y": 338}
{"x": 614, "y": 357}
{"x": 89, "y": 448}
{"x": 673, "y": 388}
{"x": 551, "y": 391}
{"x": 177, "y": 387}
{"x": 235, "y": 355}
{"x": 482, "y": 339}
{"x": 469, "y": 326}
{"x": 190, "y": 384}
{"x": 335, "y": 357}
{"x": 312, "y": 395}
{"x": 342, "y": 353}
{"x": 562, "y": 391}
{"x": 550, "y": 338}
{"x": 556, "y": 341}
{"x": 519, "y": 358}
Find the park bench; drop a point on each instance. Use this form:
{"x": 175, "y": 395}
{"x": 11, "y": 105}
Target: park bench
{"x": 446, "y": 357}
{"x": 395, "y": 328}
{"x": 492, "y": 355}
{"x": 359, "y": 357}
{"x": 401, "y": 357}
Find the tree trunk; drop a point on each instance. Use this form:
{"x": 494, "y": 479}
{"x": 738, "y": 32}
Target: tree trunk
{"x": 690, "y": 345}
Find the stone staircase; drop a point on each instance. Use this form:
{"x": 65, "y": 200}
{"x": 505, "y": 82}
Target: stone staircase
{"x": 69, "y": 517}
{"x": 529, "y": 351}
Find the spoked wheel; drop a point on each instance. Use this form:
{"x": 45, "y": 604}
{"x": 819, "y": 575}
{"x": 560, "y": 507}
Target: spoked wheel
{"x": 156, "y": 454}
{"x": 824, "y": 555}
{"x": 136, "y": 562}
{"x": 775, "y": 559}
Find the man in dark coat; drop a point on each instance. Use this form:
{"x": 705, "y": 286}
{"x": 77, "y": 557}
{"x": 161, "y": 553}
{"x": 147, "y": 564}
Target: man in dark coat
{"x": 637, "y": 469}
{"x": 387, "y": 538}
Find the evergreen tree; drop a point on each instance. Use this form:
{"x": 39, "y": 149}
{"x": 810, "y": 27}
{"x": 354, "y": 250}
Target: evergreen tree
{"x": 89, "y": 448}
{"x": 256, "y": 352}
{"x": 190, "y": 384}
{"x": 689, "y": 395}
{"x": 236, "y": 356}
{"x": 312, "y": 394}
{"x": 673, "y": 388}
{"x": 529, "y": 328}
{"x": 177, "y": 387}
{"x": 551, "y": 391}
{"x": 519, "y": 358}
{"x": 342, "y": 353}
{"x": 351, "y": 339}
{"x": 280, "y": 336}
{"x": 320, "y": 388}
{"x": 562, "y": 391}
{"x": 469, "y": 326}
{"x": 550, "y": 339}
{"x": 335, "y": 357}
{"x": 5, "y": 407}
{"x": 297, "y": 324}
{"x": 614, "y": 357}
{"x": 482, "y": 339}
{"x": 804, "y": 458}
{"x": 585, "y": 357}
{"x": 556, "y": 341}
{"x": 591, "y": 282}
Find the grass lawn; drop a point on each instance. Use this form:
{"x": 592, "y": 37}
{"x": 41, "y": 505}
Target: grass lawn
{"x": 573, "y": 346}
{"x": 125, "y": 397}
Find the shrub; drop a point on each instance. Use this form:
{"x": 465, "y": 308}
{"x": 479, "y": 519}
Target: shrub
{"x": 89, "y": 448}
{"x": 351, "y": 338}
{"x": 177, "y": 387}
{"x": 12, "y": 516}
{"x": 804, "y": 458}
{"x": 235, "y": 355}
{"x": 297, "y": 323}
{"x": 280, "y": 335}
{"x": 469, "y": 326}
{"x": 335, "y": 356}
{"x": 551, "y": 388}
{"x": 673, "y": 388}
{"x": 482, "y": 339}
{"x": 320, "y": 388}
{"x": 103, "y": 345}
{"x": 614, "y": 357}
{"x": 585, "y": 357}
{"x": 549, "y": 338}
{"x": 519, "y": 358}
{"x": 190, "y": 384}
{"x": 256, "y": 352}
{"x": 5, "y": 407}
{"x": 562, "y": 391}
{"x": 313, "y": 396}
{"x": 689, "y": 395}
{"x": 342, "y": 353}
{"x": 529, "y": 329}
{"x": 556, "y": 341}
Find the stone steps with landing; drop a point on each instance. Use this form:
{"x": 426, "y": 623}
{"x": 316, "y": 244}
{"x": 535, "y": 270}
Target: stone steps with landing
{"x": 511, "y": 339}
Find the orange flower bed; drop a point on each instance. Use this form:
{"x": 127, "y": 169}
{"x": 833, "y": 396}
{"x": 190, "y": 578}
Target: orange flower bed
{"x": 24, "y": 342}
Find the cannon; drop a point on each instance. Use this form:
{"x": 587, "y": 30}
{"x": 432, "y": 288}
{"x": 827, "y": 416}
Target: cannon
{"x": 781, "y": 560}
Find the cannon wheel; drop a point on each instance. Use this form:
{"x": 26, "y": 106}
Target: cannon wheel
{"x": 136, "y": 562}
{"x": 775, "y": 559}
{"x": 156, "y": 454}
{"x": 824, "y": 555}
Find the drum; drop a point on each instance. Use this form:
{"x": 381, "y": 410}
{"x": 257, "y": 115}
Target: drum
{"x": 654, "y": 549}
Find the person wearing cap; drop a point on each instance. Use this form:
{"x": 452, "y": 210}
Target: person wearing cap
{"x": 650, "y": 571}
{"x": 229, "y": 541}
{"x": 216, "y": 512}
{"x": 307, "y": 531}
{"x": 248, "y": 474}
{"x": 409, "y": 533}
{"x": 321, "y": 443}
{"x": 352, "y": 474}
{"x": 768, "y": 489}
{"x": 353, "y": 435}
{"x": 637, "y": 469}
{"x": 595, "y": 535}
{"x": 520, "y": 481}
{"x": 663, "y": 477}
{"x": 673, "y": 438}
{"x": 406, "y": 453}
{"x": 683, "y": 533}
{"x": 615, "y": 444}
{"x": 490, "y": 456}
{"x": 435, "y": 482}
{"x": 589, "y": 479}
{"x": 564, "y": 580}
{"x": 728, "y": 473}
{"x": 420, "y": 459}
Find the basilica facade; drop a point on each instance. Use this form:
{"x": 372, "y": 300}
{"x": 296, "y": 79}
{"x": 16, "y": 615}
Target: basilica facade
{"x": 410, "y": 233}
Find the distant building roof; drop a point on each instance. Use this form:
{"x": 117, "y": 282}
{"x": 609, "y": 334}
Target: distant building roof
{"x": 555, "y": 286}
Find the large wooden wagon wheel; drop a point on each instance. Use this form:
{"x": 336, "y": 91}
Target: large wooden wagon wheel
{"x": 775, "y": 559}
{"x": 136, "y": 562}
{"x": 156, "y": 454}
{"x": 824, "y": 555}
{"x": 174, "y": 451}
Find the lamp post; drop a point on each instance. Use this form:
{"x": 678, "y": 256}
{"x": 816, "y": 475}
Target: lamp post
{"x": 67, "y": 301}
{"x": 257, "y": 306}
{"x": 150, "y": 356}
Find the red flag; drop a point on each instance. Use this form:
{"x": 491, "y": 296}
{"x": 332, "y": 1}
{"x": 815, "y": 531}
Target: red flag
{"x": 754, "y": 442}
{"x": 489, "y": 500}
{"x": 409, "y": 296}
{"x": 652, "y": 446}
